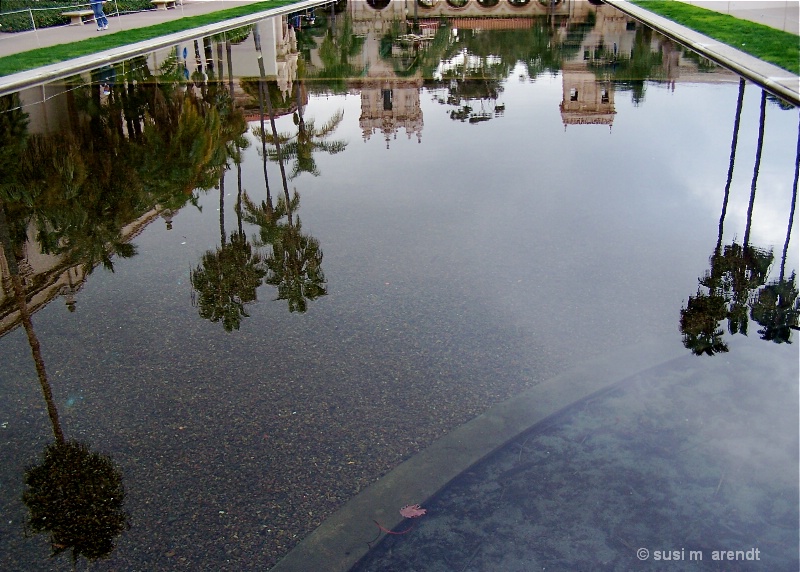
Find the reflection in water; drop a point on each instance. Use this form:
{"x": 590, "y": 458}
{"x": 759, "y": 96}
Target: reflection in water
{"x": 226, "y": 279}
{"x": 735, "y": 282}
{"x": 462, "y": 263}
{"x": 295, "y": 263}
{"x": 122, "y": 158}
{"x": 777, "y": 307}
{"x": 308, "y": 140}
{"x": 75, "y": 495}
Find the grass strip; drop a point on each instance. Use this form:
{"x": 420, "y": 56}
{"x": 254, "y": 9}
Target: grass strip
{"x": 62, "y": 52}
{"x": 765, "y": 43}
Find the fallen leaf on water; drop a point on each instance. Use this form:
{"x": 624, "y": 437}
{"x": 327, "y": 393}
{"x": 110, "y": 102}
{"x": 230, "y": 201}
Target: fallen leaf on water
{"x": 412, "y": 511}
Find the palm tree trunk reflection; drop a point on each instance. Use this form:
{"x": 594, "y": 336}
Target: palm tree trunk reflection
{"x": 734, "y": 143}
{"x": 777, "y": 307}
{"x": 263, "y": 85}
{"x": 736, "y": 271}
{"x": 757, "y": 166}
{"x": 33, "y": 341}
{"x": 74, "y": 495}
{"x": 295, "y": 263}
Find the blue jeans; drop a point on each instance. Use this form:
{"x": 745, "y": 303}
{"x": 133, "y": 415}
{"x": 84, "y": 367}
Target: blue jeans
{"x": 99, "y": 16}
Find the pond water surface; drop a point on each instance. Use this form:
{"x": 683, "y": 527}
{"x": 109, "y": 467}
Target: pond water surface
{"x": 464, "y": 210}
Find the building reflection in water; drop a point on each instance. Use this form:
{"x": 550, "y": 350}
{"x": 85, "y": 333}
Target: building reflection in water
{"x": 212, "y": 95}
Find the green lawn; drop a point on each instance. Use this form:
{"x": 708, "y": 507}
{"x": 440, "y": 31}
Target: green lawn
{"x": 45, "y": 56}
{"x": 767, "y": 44}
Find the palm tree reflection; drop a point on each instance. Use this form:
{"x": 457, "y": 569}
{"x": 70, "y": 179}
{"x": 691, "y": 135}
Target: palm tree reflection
{"x": 734, "y": 284}
{"x": 295, "y": 262}
{"x": 309, "y": 139}
{"x": 74, "y": 495}
{"x": 777, "y": 308}
{"x": 295, "y": 266}
{"x": 700, "y": 324}
{"x": 226, "y": 279}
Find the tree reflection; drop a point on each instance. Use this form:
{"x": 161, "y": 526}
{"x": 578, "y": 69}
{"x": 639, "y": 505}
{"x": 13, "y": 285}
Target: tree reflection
{"x": 74, "y": 494}
{"x": 777, "y": 308}
{"x": 338, "y": 47}
{"x": 735, "y": 283}
{"x": 308, "y": 140}
{"x": 644, "y": 63}
{"x": 295, "y": 266}
{"x": 145, "y": 144}
{"x": 477, "y": 62}
{"x": 226, "y": 279}
{"x": 294, "y": 262}
{"x": 700, "y": 323}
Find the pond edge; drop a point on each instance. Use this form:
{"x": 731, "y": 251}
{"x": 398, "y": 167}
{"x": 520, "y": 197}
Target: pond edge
{"x": 341, "y": 540}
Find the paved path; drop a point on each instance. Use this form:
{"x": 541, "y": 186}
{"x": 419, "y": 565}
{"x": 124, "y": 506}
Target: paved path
{"x": 15, "y": 43}
{"x": 779, "y": 14}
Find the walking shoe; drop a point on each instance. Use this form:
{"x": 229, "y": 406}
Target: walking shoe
{"x": 105, "y": 27}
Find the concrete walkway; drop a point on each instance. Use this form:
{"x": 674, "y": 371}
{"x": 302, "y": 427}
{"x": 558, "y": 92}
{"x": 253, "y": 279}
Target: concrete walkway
{"x": 17, "y": 43}
{"x": 779, "y": 14}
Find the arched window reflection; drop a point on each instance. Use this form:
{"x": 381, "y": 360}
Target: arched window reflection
{"x": 519, "y": 3}
{"x": 457, "y": 3}
{"x": 488, "y": 3}
{"x": 378, "y": 4}
{"x": 427, "y": 3}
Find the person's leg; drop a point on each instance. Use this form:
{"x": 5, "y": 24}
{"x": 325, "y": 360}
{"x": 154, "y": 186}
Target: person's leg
{"x": 103, "y": 17}
{"x": 97, "y": 8}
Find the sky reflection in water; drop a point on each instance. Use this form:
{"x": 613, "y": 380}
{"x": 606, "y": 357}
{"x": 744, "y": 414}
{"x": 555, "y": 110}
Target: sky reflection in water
{"x": 427, "y": 274}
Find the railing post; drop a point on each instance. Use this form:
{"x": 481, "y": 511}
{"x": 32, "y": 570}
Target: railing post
{"x": 33, "y": 23}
